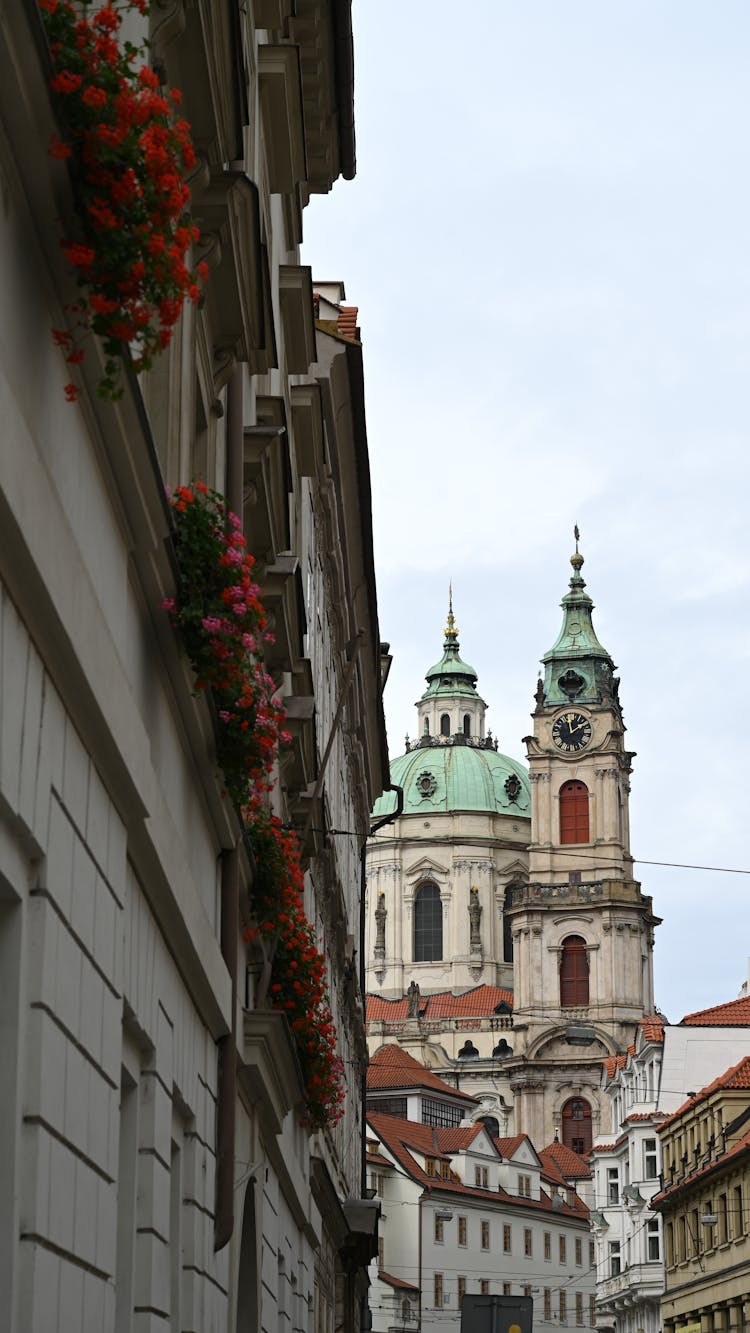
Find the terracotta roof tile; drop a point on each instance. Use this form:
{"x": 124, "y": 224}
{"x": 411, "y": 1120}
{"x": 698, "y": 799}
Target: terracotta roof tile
{"x": 479, "y": 1002}
{"x": 737, "y": 1076}
{"x": 735, "y": 1013}
{"x": 507, "y": 1147}
{"x": 393, "y": 1067}
{"x": 397, "y": 1282}
{"x": 643, "y": 1115}
{"x": 652, "y": 1026}
{"x": 347, "y": 321}
{"x": 614, "y": 1062}
{"x": 572, "y": 1166}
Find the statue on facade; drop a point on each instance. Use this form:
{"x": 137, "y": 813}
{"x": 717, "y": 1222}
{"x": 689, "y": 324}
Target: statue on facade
{"x": 412, "y": 1000}
{"x": 475, "y": 916}
{"x": 381, "y": 913}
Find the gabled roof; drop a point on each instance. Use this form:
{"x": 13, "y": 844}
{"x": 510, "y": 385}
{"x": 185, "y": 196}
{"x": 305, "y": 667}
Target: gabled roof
{"x": 507, "y": 1147}
{"x": 737, "y": 1076}
{"x": 735, "y": 1013}
{"x": 479, "y": 1002}
{"x": 569, "y": 1163}
{"x": 393, "y": 1067}
{"x": 405, "y": 1138}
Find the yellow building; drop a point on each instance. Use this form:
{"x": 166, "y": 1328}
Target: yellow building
{"x": 704, "y": 1206}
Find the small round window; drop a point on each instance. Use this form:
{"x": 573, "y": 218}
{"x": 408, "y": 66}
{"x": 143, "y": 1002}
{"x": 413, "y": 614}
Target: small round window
{"x": 426, "y": 784}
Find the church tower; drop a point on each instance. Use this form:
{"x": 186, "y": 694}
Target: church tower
{"x": 582, "y": 929}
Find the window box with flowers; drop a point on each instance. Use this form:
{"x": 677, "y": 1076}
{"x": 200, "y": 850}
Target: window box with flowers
{"x": 219, "y": 616}
{"x": 129, "y": 150}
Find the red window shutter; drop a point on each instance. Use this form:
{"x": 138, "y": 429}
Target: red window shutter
{"x": 574, "y": 812}
{"x": 574, "y": 972}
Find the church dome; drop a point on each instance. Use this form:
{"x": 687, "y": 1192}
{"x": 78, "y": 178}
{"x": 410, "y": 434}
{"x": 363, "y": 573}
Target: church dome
{"x": 439, "y": 777}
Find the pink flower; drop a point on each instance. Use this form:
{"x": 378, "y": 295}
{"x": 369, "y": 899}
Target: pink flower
{"x": 168, "y": 604}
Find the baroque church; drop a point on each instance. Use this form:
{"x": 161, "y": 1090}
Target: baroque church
{"x": 509, "y": 946}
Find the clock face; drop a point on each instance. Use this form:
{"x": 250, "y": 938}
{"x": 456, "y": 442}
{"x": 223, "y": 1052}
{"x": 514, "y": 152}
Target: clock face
{"x": 571, "y": 732}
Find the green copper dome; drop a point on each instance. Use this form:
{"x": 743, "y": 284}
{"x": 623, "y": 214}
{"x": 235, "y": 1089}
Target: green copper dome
{"x": 439, "y": 778}
{"x": 577, "y": 667}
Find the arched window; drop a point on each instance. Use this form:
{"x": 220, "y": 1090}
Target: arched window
{"x": 574, "y": 812}
{"x": 576, "y": 1125}
{"x": 405, "y": 1309}
{"x": 428, "y": 925}
{"x": 507, "y": 930}
{"x": 574, "y": 972}
{"x": 492, "y": 1123}
{"x": 427, "y": 726}
{"x": 467, "y": 724}
{"x": 445, "y": 725}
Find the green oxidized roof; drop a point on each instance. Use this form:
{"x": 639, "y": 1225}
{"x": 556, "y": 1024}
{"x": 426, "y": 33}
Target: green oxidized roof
{"x": 577, "y": 666}
{"x": 439, "y": 778}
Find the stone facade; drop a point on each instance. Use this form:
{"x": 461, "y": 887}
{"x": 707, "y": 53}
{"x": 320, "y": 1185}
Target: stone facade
{"x": 153, "y": 1169}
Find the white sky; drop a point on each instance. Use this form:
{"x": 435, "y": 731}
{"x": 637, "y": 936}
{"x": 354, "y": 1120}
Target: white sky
{"x": 548, "y": 241}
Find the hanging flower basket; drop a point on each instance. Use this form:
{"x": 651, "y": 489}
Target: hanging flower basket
{"x": 129, "y": 150}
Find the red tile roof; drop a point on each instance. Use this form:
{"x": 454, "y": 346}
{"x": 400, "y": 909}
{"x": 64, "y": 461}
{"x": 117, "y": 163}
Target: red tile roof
{"x": 403, "y": 1138}
{"x": 572, "y": 1166}
{"x": 741, "y": 1146}
{"x": 644, "y": 1115}
{"x": 397, "y": 1282}
{"x": 507, "y": 1147}
{"x": 479, "y": 1002}
{"x": 393, "y": 1067}
{"x": 737, "y": 1076}
{"x": 735, "y": 1013}
{"x": 614, "y": 1062}
{"x": 652, "y": 1026}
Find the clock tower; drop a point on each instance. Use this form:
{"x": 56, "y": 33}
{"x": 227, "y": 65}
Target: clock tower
{"x": 582, "y": 929}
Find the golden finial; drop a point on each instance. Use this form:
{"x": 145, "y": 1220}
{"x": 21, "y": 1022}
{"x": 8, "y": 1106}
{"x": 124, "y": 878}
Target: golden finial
{"x": 451, "y": 633}
{"x": 576, "y": 559}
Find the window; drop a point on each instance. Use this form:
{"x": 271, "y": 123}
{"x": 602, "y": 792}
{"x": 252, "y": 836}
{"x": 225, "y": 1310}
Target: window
{"x": 653, "y": 1241}
{"x": 389, "y": 1105}
{"x": 563, "y": 1250}
{"x": 527, "y": 1291}
{"x": 524, "y": 1187}
{"x": 592, "y": 1311}
{"x": 438, "y": 1289}
{"x": 484, "y": 1287}
{"x": 574, "y": 972}
{"x": 445, "y": 725}
{"x": 467, "y": 724}
{"x": 462, "y": 1229}
{"x": 434, "y": 1113}
{"x": 547, "y": 1303}
{"x": 381, "y": 1252}
{"x": 650, "y": 1170}
{"x": 527, "y": 1242}
{"x": 615, "y": 1265}
{"x": 709, "y": 1238}
{"x": 547, "y": 1245}
{"x": 430, "y": 1166}
{"x": 405, "y": 1309}
{"x": 563, "y": 1307}
{"x": 506, "y": 1238}
{"x": 461, "y": 1290}
{"x": 428, "y": 925}
{"x": 481, "y": 1177}
{"x": 574, "y": 812}
{"x": 445, "y": 1170}
{"x": 485, "y": 1235}
{"x": 576, "y": 1125}
{"x": 739, "y": 1219}
{"x": 426, "y": 726}
{"x": 439, "y": 1229}
{"x": 723, "y": 1220}
{"x": 506, "y": 1289}
{"x": 669, "y": 1237}
{"x": 592, "y": 1254}
{"x": 579, "y": 1251}
{"x": 613, "y": 1185}
{"x": 579, "y": 1309}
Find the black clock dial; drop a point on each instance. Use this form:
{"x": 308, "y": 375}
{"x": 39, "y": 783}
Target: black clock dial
{"x": 571, "y": 732}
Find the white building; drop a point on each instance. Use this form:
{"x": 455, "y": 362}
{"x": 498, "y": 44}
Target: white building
{"x": 645, "y": 1085}
{"x": 464, "y": 1211}
{"x": 154, "y": 1170}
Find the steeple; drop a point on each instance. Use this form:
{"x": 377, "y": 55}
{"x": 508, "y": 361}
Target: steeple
{"x": 577, "y": 668}
{"x": 450, "y": 705}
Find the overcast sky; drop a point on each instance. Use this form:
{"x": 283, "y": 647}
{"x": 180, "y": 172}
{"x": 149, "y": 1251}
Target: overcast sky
{"x": 548, "y": 241}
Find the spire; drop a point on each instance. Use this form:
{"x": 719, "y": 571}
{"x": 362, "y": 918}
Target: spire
{"x": 451, "y": 633}
{"x": 577, "y": 667}
{"x": 450, "y": 674}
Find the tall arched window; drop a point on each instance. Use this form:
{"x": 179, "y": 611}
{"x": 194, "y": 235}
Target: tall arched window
{"x": 427, "y": 726}
{"x": 576, "y": 1125}
{"x": 428, "y": 925}
{"x": 467, "y": 724}
{"x": 574, "y": 972}
{"x": 574, "y": 812}
{"x": 445, "y": 725}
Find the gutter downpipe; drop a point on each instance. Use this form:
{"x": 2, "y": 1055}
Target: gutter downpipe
{"x": 379, "y": 823}
{"x": 226, "y": 1091}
